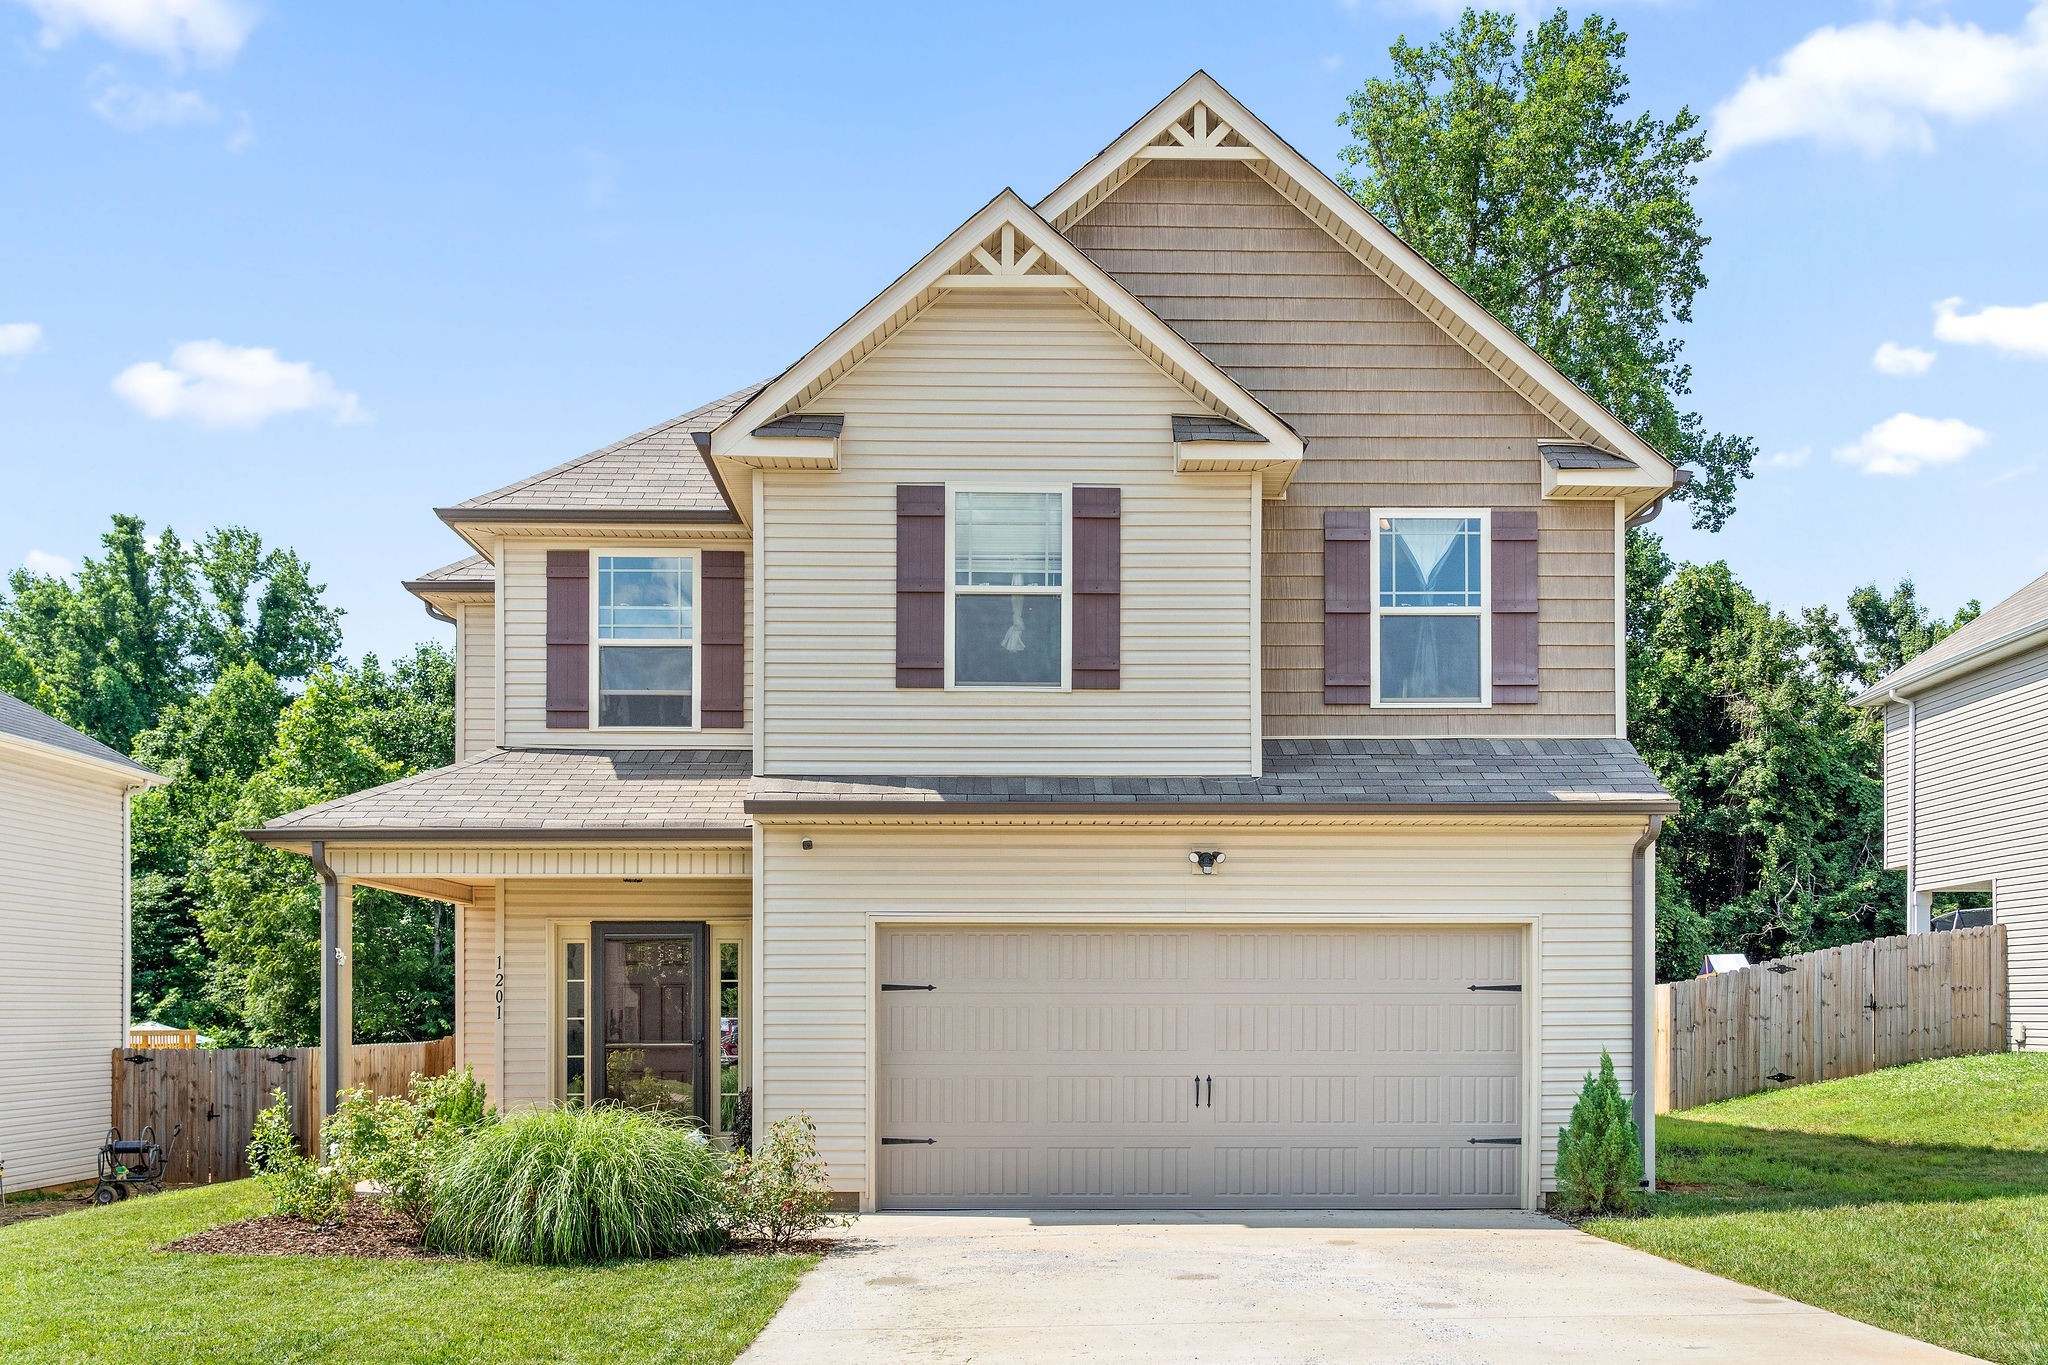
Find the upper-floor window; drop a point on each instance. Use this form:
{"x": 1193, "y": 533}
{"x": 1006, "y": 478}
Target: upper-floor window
{"x": 646, "y": 636}
{"x": 1008, "y": 588}
{"x": 1430, "y": 607}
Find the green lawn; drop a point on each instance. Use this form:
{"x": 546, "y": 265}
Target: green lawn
{"x": 1914, "y": 1198}
{"x": 91, "y": 1286}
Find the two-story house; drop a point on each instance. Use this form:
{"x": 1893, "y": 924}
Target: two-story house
{"x": 1966, "y": 788}
{"x": 1133, "y": 718}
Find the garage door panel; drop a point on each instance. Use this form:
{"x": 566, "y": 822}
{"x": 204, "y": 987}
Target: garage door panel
{"x": 1338, "y": 1068}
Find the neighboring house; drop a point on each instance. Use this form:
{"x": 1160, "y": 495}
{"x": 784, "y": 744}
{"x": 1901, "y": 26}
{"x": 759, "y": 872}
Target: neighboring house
{"x": 1134, "y": 717}
{"x": 1966, "y": 787}
{"x": 63, "y": 941}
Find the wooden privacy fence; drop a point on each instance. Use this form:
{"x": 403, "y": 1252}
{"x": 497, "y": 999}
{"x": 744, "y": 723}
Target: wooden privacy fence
{"x": 216, "y": 1094}
{"x": 1838, "y": 1012}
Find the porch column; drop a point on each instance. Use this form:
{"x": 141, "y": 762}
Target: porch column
{"x": 345, "y": 988}
{"x": 336, "y": 979}
{"x": 1920, "y": 911}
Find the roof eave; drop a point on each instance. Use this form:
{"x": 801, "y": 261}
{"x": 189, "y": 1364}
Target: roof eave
{"x": 1969, "y": 661}
{"x": 127, "y": 769}
{"x": 536, "y": 834}
{"x": 939, "y": 809}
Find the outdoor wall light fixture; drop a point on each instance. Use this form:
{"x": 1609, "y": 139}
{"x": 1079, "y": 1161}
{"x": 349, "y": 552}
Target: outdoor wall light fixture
{"x": 1206, "y": 862}
{"x": 807, "y": 845}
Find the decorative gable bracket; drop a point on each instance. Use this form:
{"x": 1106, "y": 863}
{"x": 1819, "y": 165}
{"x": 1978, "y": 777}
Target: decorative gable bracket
{"x": 1197, "y": 138}
{"x": 1005, "y": 267}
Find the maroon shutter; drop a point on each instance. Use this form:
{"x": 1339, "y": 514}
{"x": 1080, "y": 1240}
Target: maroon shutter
{"x": 568, "y": 639}
{"x": 1347, "y": 607}
{"x": 1514, "y": 605}
{"x": 721, "y": 629}
{"x": 1098, "y": 588}
{"x": 920, "y": 585}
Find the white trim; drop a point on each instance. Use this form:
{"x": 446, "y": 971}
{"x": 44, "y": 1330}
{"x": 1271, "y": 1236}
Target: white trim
{"x": 757, "y": 654}
{"x": 1400, "y": 265}
{"x": 1621, "y": 620}
{"x": 129, "y": 775}
{"x": 1970, "y": 660}
{"x": 1484, "y": 611}
{"x": 1064, "y": 593}
{"x": 1258, "y": 633}
{"x": 918, "y": 287}
{"x": 598, "y": 644}
{"x": 498, "y": 613}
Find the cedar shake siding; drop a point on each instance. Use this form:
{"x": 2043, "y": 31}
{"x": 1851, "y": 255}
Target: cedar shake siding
{"x": 1395, "y": 414}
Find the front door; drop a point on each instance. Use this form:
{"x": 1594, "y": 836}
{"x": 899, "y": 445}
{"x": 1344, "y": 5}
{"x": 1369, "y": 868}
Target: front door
{"x": 647, "y": 986}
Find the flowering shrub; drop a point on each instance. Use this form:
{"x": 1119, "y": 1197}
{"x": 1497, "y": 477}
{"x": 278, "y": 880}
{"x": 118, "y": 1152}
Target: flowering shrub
{"x": 777, "y": 1193}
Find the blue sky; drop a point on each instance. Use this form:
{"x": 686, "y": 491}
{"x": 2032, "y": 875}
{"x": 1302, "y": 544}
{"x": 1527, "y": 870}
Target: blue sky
{"x": 319, "y": 269}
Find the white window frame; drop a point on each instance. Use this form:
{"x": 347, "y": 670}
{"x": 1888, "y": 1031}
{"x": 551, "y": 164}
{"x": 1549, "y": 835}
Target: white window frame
{"x": 1065, "y": 591}
{"x": 1484, "y": 611}
{"x": 695, "y": 642}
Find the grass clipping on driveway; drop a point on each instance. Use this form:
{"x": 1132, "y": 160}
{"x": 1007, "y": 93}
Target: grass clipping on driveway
{"x": 94, "y": 1285}
{"x": 1914, "y": 1198}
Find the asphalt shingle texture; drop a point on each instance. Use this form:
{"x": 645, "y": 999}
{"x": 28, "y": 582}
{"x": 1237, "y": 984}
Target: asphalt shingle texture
{"x": 658, "y": 469}
{"x": 1206, "y": 428}
{"x": 1299, "y": 772}
{"x": 1584, "y": 457}
{"x": 2023, "y": 610}
{"x": 23, "y": 721}
{"x": 816, "y": 424}
{"x": 550, "y": 789}
{"x": 475, "y": 569}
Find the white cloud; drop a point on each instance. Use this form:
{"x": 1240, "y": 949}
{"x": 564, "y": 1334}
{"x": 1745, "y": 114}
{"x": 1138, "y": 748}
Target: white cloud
{"x": 1906, "y": 444}
{"x": 19, "y": 338}
{"x": 131, "y": 108}
{"x": 43, "y": 562}
{"x": 2016, "y": 331}
{"x": 218, "y": 385}
{"x": 1789, "y": 459}
{"x": 1881, "y": 84}
{"x": 209, "y": 32}
{"x": 1892, "y": 358}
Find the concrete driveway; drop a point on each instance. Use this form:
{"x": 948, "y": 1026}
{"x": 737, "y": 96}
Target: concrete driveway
{"x": 1283, "y": 1287}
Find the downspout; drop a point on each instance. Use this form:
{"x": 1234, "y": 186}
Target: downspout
{"x": 330, "y": 979}
{"x": 1642, "y": 915}
{"x": 1912, "y": 813}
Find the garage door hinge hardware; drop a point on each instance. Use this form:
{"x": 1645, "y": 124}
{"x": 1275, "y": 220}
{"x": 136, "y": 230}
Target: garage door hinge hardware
{"x": 908, "y": 1142}
{"x": 899, "y": 986}
{"x": 1493, "y": 1142}
{"x": 1516, "y": 987}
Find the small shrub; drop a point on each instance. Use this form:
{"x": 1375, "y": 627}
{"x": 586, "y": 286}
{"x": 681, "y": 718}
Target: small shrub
{"x": 298, "y": 1188}
{"x": 1599, "y": 1153}
{"x": 777, "y": 1192}
{"x": 576, "y": 1186}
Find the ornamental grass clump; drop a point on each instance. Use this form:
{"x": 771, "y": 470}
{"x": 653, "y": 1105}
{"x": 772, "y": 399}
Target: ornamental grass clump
{"x": 576, "y": 1186}
{"x": 1599, "y": 1154}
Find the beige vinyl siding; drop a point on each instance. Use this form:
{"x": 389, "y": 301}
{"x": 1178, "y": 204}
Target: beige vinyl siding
{"x": 1394, "y": 413}
{"x": 476, "y": 1013}
{"x": 476, "y": 679}
{"x": 533, "y": 910}
{"x": 1983, "y": 809}
{"x": 522, "y": 591}
{"x": 1015, "y": 391}
{"x": 1569, "y": 884}
{"x": 63, "y": 926}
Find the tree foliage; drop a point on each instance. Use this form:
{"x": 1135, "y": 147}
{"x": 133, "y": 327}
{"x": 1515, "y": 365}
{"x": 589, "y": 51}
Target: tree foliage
{"x": 1510, "y": 162}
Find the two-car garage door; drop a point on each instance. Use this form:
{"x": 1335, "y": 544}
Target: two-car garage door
{"x": 1200, "y": 1068}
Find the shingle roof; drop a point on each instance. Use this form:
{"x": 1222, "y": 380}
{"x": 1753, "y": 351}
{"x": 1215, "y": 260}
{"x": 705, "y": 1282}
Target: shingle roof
{"x": 22, "y": 721}
{"x": 813, "y": 424}
{"x": 1574, "y": 456}
{"x": 623, "y": 793}
{"x": 468, "y": 572}
{"x": 2023, "y": 611}
{"x": 1301, "y": 774}
{"x": 657, "y": 470}
{"x": 1207, "y": 428}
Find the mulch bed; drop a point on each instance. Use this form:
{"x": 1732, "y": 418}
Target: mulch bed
{"x": 367, "y": 1229}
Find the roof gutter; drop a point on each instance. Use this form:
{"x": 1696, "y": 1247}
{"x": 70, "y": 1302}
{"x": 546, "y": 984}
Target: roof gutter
{"x": 913, "y": 809}
{"x": 1679, "y": 479}
{"x": 319, "y": 835}
{"x": 1992, "y": 650}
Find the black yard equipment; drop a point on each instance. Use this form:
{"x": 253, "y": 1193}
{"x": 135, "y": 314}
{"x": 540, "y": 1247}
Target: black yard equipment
{"x": 132, "y": 1165}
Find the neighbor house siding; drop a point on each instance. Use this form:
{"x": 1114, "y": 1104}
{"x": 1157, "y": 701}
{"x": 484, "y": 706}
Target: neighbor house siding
{"x": 476, "y": 677}
{"x": 1016, "y": 391}
{"x": 1983, "y": 809}
{"x": 533, "y": 911}
{"x": 522, "y": 592}
{"x": 63, "y": 947}
{"x": 1571, "y": 884}
{"x": 1394, "y": 413}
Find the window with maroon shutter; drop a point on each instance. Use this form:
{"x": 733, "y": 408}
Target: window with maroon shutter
{"x": 722, "y": 635}
{"x": 1515, "y": 676}
{"x": 920, "y": 585}
{"x": 568, "y": 634}
{"x": 1098, "y": 588}
{"x": 1347, "y": 607}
